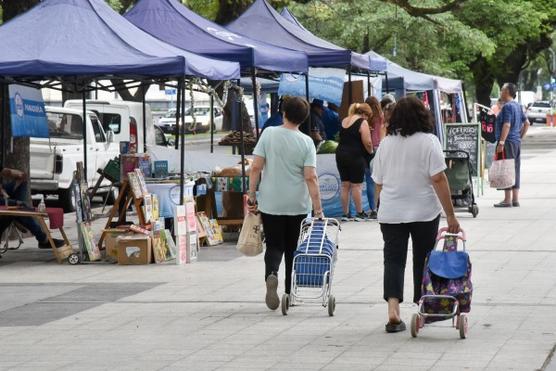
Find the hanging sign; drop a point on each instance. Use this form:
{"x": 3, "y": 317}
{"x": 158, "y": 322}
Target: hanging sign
{"x": 27, "y": 112}
{"x": 326, "y": 84}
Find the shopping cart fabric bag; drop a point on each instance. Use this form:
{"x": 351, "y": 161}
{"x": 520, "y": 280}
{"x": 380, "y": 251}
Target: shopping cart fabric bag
{"x": 312, "y": 262}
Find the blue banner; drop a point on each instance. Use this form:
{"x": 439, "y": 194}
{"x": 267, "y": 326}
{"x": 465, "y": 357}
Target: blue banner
{"x": 27, "y": 112}
{"x": 326, "y": 84}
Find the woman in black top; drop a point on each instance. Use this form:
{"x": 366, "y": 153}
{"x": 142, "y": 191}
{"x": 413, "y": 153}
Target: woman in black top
{"x": 351, "y": 156}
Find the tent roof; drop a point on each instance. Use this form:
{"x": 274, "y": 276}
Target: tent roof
{"x": 87, "y": 38}
{"x": 417, "y": 80}
{"x": 177, "y": 25}
{"x": 261, "y": 22}
{"x": 287, "y": 14}
{"x": 357, "y": 60}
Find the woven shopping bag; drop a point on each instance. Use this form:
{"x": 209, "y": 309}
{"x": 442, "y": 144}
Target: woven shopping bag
{"x": 501, "y": 174}
{"x": 250, "y": 241}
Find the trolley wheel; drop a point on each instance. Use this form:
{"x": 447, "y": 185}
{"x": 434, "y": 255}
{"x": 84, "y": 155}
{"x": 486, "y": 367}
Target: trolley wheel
{"x": 285, "y": 304}
{"x": 463, "y": 325}
{"x": 415, "y": 325}
{"x": 73, "y": 259}
{"x": 474, "y": 210}
{"x": 331, "y": 305}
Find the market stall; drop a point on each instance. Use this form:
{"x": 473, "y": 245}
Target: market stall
{"x": 34, "y": 55}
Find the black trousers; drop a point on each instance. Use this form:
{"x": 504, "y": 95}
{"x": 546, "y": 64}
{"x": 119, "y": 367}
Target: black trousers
{"x": 281, "y": 234}
{"x": 396, "y": 238}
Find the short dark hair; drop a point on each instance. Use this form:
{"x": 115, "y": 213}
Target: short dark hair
{"x": 512, "y": 89}
{"x": 295, "y": 109}
{"x": 410, "y": 116}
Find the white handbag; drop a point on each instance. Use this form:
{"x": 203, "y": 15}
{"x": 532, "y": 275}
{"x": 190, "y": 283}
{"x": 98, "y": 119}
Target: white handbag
{"x": 250, "y": 242}
{"x": 501, "y": 174}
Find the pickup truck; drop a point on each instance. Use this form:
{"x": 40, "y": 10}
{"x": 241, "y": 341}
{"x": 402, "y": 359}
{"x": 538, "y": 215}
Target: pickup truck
{"x": 54, "y": 159}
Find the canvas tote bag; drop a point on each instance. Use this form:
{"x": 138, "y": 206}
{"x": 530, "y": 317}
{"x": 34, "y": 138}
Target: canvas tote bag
{"x": 250, "y": 241}
{"x": 501, "y": 174}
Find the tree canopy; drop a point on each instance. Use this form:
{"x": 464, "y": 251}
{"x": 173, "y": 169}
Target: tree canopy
{"x": 479, "y": 41}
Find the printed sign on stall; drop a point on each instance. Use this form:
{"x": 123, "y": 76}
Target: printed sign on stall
{"x": 27, "y": 112}
{"x": 324, "y": 83}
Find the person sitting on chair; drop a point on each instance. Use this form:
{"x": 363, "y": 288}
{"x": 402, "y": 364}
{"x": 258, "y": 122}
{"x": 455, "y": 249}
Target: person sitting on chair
{"x": 14, "y": 192}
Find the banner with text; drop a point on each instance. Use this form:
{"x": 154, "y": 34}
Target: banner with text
{"x": 326, "y": 84}
{"x": 27, "y": 112}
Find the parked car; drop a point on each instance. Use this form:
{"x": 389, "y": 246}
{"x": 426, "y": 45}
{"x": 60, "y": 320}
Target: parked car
{"x": 202, "y": 117}
{"x": 537, "y": 111}
{"x": 53, "y": 160}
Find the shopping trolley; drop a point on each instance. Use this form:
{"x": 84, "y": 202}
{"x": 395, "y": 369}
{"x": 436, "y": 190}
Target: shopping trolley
{"x": 313, "y": 264}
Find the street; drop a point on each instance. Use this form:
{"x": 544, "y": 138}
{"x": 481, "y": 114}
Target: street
{"x": 210, "y": 315}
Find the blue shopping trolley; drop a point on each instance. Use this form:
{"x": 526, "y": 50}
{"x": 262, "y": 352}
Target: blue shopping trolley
{"x": 313, "y": 264}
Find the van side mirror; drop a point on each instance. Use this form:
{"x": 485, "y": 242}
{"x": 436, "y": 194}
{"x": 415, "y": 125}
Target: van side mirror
{"x": 110, "y": 136}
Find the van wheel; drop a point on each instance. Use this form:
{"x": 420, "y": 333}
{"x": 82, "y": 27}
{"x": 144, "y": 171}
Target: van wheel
{"x": 66, "y": 199}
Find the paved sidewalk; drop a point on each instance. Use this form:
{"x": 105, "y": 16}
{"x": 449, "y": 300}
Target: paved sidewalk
{"x": 210, "y": 315}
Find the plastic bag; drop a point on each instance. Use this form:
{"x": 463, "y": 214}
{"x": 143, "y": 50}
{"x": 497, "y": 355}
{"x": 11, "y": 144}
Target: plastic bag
{"x": 501, "y": 174}
{"x": 250, "y": 241}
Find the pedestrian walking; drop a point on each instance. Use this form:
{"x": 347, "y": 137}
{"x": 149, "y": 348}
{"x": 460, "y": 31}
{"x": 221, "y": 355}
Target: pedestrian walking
{"x": 352, "y": 153}
{"x": 288, "y": 191}
{"x": 511, "y": 127}
{"x": 413, "y": 189}
{"x": 376, "y": 123}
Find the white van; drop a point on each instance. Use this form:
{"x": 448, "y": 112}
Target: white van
{"x": 123, "y": 118}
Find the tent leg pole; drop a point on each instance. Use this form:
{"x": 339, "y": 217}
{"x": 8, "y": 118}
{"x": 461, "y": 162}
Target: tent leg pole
{"x": 2, "y": 122}
{"x": 212, "y": 123}
{"x": 309, "y": 123}
{"x": 144, "y": 119}
{"x": 182, "y": 143}
{"x": 84, "y": 100}
{"x": 387, "y": 86}
{"x": 255, "y": 100}
{"x": 350, "y": 92}
{"x": 242, "y": 140}
{"x": 368, "y": 84}
{"x": 178, "y": 111}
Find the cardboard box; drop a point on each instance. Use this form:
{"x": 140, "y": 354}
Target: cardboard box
{"x": 136, "y": 249}
{"x": 111, "y": 240}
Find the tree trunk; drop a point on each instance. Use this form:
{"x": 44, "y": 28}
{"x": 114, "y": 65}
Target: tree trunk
{"x": 11, "y": 8}
{"x": 484, "y": 80}
{"x": 18, "y": 156}
{"x": 228, "y": 10}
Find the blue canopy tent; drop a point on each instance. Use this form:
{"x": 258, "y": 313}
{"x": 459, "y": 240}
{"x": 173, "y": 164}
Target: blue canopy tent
{"x": 262, "y": 22}
{"x": 407, "y": 80}
{"x": 79, "y": 40}
{"x": 174, "y": 23}
{"x": 373, "y": 64}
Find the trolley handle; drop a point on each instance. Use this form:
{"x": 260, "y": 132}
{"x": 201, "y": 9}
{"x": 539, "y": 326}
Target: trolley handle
{"x": 443, "y": 232}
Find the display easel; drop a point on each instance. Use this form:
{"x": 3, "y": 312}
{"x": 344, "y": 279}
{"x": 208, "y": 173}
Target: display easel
{"x": 126, "y": 197}
{"x": 83, "y": 213}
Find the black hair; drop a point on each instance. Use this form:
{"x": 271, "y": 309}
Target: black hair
{"x": 295, "y": 109}
{"x": 410, "y": 116}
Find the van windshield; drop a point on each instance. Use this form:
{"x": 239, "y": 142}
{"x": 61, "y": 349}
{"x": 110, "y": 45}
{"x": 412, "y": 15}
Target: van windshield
{"x": 64, "y": 125}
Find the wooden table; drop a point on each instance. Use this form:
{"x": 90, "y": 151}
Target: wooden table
{"x": 60, "y": 253}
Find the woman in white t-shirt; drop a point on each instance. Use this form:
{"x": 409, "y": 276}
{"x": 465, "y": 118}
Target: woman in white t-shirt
{"x": 408, "y": 170}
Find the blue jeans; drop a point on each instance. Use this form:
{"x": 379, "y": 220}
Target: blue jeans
{"x": 16, "y": 194}
{"x": 370, "y": 187}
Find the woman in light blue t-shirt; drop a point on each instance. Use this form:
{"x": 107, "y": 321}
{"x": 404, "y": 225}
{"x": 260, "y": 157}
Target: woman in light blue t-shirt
{"x": 288, "y": 191}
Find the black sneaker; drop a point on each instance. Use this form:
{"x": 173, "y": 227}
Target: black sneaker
{"x": 361, "y": 217}
{"x": 272, "y": 300}
{"x": 346, "y": 218}
{"x": 57, "y": 243}
{"x": 372, "y": 214}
